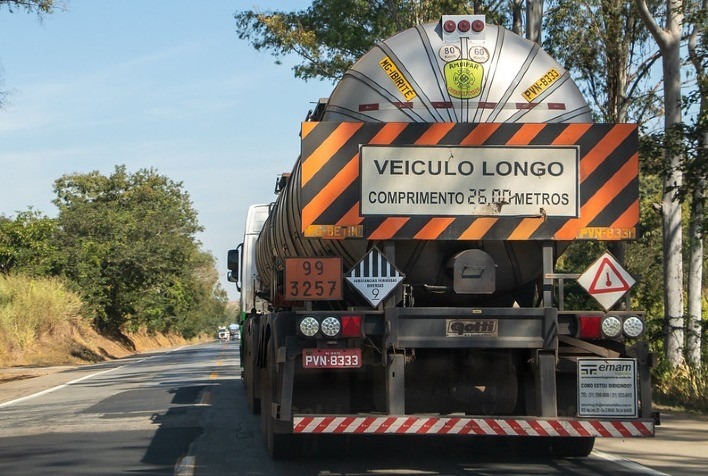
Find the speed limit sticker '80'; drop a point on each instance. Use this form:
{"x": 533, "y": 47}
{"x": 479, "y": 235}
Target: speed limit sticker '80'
{"x": 313, "y": 279}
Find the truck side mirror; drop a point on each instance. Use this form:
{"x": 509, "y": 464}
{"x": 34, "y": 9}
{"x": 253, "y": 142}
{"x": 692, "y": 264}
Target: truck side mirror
{"x": 233, "y": 263}
{"x": 232, "y": 260}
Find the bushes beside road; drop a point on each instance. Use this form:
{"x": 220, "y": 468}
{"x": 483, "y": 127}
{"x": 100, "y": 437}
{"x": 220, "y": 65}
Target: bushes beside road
{"x": 43, "y": 322}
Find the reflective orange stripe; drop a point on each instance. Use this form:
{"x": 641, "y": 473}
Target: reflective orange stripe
{"x": 435, "y": 134}
{"x": 526, "y": 134}
{"x": 434, "y": 228}
{"x": 480, "y": 134}
{"x": 388, "y": 228}
{"x": 572, "y": 134}
{"x": 306, "y": 128}
{"x": 330, "y": 192}
{"x": 312, "y": 164}
{"x": 629, "y": 218}
{"x": 388, "y": 133}
{"x": 478, "y": 228}
{"x": 603, "y": 149}
{"x": 526, "y": 228}
{"x": 597, "y": 203}
{"x": 352, "y": 217}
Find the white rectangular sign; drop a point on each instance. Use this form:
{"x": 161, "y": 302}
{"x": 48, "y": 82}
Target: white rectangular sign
{"x": 462, "y": 181}
{"x": 607, "y": 388}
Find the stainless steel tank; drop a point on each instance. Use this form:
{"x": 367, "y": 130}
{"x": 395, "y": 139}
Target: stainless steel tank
{"x": 428, "y": 74}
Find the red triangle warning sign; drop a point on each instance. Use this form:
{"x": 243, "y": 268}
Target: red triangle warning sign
{"x": 608, "y": 279}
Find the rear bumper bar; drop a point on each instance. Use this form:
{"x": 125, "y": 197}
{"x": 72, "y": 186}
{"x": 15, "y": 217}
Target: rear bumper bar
{"x": 516, "y": 426}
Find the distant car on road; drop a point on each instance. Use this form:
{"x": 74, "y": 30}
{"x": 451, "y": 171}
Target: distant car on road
{"x": 234, "y": 331}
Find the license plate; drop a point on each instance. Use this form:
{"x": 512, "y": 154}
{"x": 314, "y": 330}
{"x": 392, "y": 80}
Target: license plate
{"x": 331, "y": 358}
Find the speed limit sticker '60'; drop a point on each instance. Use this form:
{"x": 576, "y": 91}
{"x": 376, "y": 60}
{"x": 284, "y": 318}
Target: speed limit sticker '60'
{"x": 313, "y": 279}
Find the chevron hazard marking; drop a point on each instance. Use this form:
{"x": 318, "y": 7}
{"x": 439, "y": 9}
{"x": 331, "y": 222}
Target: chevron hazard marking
{"x": 606, "y": 280}
{"x": 374, "y": 277}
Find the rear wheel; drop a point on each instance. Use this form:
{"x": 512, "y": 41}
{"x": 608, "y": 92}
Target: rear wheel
{"x": 279, "y": 445}
{"x": 555, "y": 447}
{"x": 572, "y": 447}
{"x": 250, "y": 370}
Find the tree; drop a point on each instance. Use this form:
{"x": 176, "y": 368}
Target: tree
{"x": 606, "y": 48}
{"x": 331, "y": 35}
{"x": 27, "y": 244}
{"x": 534, "y": 15}
{"x": 129, "y": 244}
{"x": 40, "y": 7}
{"x": 668, "y": 39}
{"x": 696, "y": 173}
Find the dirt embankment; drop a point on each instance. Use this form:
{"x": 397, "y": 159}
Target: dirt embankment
{"x": 78, "y": 346}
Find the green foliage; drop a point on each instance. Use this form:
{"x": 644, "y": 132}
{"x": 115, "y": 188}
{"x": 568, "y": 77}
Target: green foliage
{"x": 26, "y": 243}
{"x": 331, "y": 35}
{"x": 607, "y": 49}
{"x": 575, "y": 259}
{"x": 682, "y": 386}
{"x": 129, "y": 247}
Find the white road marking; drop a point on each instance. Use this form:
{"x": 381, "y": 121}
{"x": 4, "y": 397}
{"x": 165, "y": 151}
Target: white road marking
{"x": 185, "y": 466}
{"x": 59, "y": 387}
{"x": 630, "y": 465}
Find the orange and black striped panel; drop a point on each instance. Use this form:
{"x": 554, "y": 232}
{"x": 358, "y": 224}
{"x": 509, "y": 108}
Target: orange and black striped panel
{"x": 608, "y": 195}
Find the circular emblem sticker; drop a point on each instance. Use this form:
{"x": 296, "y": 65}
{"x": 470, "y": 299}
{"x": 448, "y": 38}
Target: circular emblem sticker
{"x": 450, "y": 52}
{"x": 464, "y": 78}
{"x": 479, "y": 54}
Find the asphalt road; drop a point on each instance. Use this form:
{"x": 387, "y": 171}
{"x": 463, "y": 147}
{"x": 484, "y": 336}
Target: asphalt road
{"x": 184, "y": 412}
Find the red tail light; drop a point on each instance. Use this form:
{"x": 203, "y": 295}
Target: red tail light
{"x": 351, "y": 326}
{"x": 590, "y": 327}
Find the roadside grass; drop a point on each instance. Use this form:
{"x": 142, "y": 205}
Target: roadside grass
{"x": 43, "y": 323}
{"x": 31, "y": 308}
{"x": 684, "y": 387}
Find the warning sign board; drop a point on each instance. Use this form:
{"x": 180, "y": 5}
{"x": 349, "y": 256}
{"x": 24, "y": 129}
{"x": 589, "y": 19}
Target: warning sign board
{"x": 607, "y": 388}
{"x": 520, "y": 181}
{"x": 606, "y": 280}
{"x": 374, "y": 277}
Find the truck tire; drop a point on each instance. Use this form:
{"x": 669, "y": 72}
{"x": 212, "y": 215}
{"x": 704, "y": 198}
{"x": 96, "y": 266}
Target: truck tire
{"x": 250, "y": 372}
{"x": 572, "y": 447}
{"x": 279, "y": 445}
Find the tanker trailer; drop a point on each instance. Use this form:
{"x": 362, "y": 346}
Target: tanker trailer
{"x": 408, "y": 260}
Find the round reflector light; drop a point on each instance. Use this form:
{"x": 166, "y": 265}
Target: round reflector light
{"x": 633, "y": 326}
{"x": 477, "y": 25}
{"x": 309, "y": 326}
{"x": 611, "y": 326}
{"x": 463, "y": 26}
{"x": 449, "y": 26}
{"x": 331, "y": 326}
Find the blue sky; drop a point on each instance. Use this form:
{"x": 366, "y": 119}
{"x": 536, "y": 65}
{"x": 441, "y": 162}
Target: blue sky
{"x": 149, "y": 83}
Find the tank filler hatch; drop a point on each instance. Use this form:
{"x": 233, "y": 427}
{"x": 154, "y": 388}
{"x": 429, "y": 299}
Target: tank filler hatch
{"x": 474, "y": 272}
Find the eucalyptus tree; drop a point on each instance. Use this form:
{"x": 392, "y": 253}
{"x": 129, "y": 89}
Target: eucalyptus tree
{"x": 697, "y": 172}
{"x": 668, "y": 38}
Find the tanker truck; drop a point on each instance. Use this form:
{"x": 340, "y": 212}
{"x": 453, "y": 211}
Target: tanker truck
{"x": 406, "y": 269}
